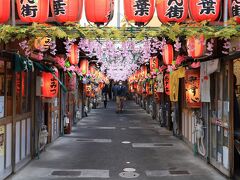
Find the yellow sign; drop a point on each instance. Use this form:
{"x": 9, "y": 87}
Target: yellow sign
{"x": 2, "y": 139}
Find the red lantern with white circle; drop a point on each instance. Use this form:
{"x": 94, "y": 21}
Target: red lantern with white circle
{"x": 99, "y": 11}
{"x": 167, "y": 54}
{"x": 153, "y": 64}
{"x": 139, "y": 11}
{"x": 67, "y": 10}
{"x": 172, "y": 11}
{"x": 84, "y": 66}
{"x": 234, "y": 9}
{"x": 204, "y": 10}
{"x": 196, "y": 46}
{"x": 33, "y": 10}
{"x": 74, "y": 55}
{"x": 4, "y": 10}
{"x": 49, "y": 85}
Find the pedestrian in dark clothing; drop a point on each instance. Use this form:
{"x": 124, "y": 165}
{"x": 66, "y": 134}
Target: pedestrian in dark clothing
{"x": 114, "y": 91}
{"x": 121, "y": 96}
{"x": 104, "y": 94}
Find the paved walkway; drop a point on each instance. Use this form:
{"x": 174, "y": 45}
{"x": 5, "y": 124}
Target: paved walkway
{"x": 107, "y": 145}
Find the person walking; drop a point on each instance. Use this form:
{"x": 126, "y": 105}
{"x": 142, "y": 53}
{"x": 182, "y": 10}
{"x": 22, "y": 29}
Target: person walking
{"x": 114, "y": 91}
{"x": 120, "y": 97}
{"x": 105, "y": 95}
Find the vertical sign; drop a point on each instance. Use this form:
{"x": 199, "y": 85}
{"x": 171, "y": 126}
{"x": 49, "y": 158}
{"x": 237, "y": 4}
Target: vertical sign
{"x": 192, "y": 86}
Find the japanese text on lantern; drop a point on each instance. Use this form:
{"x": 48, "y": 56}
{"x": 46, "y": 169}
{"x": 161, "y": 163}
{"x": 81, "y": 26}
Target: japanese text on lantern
{"x": 175, "y": 9}
{"x": 29, "y": 9}
{"x": 59, "y": 7}
{"x": 207, "y": 6}
{"x": 141, "y": 7}
{"x": 53, "y": 86}
{"x": 192, "y": 85}
{"x": 236, "y": 8}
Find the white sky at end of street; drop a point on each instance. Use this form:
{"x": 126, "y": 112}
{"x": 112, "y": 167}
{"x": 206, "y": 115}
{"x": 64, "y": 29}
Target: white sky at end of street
{"x": 113, "y": 23}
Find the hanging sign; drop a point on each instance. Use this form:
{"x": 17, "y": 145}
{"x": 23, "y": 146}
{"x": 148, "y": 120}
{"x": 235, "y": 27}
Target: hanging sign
{"x": 88, "y": 89}
{"x": 192, "y": 87}
{"x": 167, "y": 83}
{"x": 42, "y": 43}
{"x": 160, "y": 86}
{"x": 153, "y": 64}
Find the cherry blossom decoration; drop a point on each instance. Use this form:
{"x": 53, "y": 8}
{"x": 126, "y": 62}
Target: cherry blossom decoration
{"x": 119, "y": 59}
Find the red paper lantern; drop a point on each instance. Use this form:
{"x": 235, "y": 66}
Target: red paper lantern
{"x": 67, "y": 10}
{"x": 172, "y": 11}
{"x": 4, "y": 10}
{"x": 192, "y": 85}
{"x": 234, "y": 6}
{"x": 143, "y": 72}
{"x": 139, "y": 11}
{"x": 33, "y": 11}
{"x": 167, "y": 83}
{"x": 49, "y": 84}
{"x": 71, "y": 82}
{"x": 201, "y": 10}
{"x": 84, "y": 66}
{"x": 153, "y": 64}
{"x": 99, "y": 11}
{"x": 196, "y": 46}
{"x": 167, "y": 54}
{"x": 74, "y": 55}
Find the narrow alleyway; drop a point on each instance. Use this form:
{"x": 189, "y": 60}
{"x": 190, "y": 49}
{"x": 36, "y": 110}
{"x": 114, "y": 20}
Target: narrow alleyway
{"x": 105, "y": 143}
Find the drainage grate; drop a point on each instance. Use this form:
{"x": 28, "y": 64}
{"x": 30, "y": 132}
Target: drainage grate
{"x": 129, "y": 175}
{"x": 179, "y": 172}
{"x": 66, "y": 173}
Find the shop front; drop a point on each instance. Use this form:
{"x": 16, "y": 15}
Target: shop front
{"x": 15, "y": 118}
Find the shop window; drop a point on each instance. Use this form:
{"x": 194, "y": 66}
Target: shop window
{"x": 23, "y": 92}
{"x": 6, "y": 90}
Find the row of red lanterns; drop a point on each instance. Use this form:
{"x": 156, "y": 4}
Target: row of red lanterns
{"x": 101, "y": 11}
{"x": 97, "y": 11}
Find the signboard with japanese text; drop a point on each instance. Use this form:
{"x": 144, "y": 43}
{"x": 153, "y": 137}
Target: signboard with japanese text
{"x": 167, "y": 83}
{"x": 192, "y": 87}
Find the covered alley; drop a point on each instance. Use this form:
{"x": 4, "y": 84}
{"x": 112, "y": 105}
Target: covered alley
{"x": 107, "y": 145}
